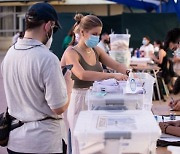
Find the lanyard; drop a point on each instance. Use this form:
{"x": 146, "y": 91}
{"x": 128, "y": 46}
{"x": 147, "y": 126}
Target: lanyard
{"x": 33, "y": 46}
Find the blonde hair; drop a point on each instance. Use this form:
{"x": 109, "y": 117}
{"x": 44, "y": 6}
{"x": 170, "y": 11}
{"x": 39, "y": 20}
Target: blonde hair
{"x": 87, "y": 22}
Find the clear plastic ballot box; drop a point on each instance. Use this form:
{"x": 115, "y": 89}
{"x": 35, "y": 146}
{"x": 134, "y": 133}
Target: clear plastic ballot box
{"x": 114, "y": 101}
{"x": 115, "y": 95}
{"x": 117, "y": 132}
{"x": 120, "y": 48}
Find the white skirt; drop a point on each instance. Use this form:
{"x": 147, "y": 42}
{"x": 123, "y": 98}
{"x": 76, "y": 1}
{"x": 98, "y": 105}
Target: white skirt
{"x": 77, "y": 104}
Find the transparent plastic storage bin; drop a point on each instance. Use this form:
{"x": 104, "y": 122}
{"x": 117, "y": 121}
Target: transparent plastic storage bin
{"x": 120, "y": 48}
{"x": 119, "y": 41}
{"x": 117, "y": 132}
{"x": 112, "y": 97}
{"x": 114, "y": 101}
{"x": 148, "y": 81}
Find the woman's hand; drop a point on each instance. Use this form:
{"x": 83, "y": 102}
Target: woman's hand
{"x": 119, "y": 76}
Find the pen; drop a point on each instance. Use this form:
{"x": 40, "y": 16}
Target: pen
{"x": 172, "y": 99}
{"x": 172, "y": 102}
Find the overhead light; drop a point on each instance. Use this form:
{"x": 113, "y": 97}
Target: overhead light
{"x": 175, "y": 1}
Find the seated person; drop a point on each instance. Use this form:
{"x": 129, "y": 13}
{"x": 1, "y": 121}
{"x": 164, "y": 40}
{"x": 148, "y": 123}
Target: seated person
{"x": 147, "y": 48}
{"x": 172, "y": 42}
{"x": 163, "y": 63}
{"x": 176, "y": 60}
{"x": 170, "y": 127}
{"x": 161, "y": 53}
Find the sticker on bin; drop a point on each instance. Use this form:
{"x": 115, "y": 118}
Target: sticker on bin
{"x": 116, "y": 123}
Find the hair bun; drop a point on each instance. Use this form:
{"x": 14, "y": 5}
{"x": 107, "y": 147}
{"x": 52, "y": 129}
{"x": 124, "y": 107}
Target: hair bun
{"x": 78, "y": 17}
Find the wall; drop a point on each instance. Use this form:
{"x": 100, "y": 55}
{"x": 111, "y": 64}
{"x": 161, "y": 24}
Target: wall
{"x": 99, "y": 9}
{"x": 5, "y": 43}
{"x": 139, "y": 25}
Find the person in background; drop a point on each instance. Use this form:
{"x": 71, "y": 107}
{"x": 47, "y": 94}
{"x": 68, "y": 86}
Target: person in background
{"x": 104, "y": 43}
{"x": 161, "y": 58}
{"x": 147, "y": 48}
{"x": 163, "y": 63}
{"x": 16, "y": 36}
{"x": 73, "y": 35}
{"x": 158, "y": 45}
{"x": 75, "y": 28}
{"x": 172, "y": 42}
{"x": 86, "y": 58}
{"x": 68, "y": 39}
{"x": 172, "y": 127}
{"x": 36, "y": 91}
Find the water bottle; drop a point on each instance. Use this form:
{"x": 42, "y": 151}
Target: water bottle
{"x": 137, "y": 53}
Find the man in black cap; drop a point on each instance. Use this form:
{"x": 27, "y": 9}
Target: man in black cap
{"x": 36, "y": 91}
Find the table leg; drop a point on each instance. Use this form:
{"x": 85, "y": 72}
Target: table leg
{"x": 157, "y": 85}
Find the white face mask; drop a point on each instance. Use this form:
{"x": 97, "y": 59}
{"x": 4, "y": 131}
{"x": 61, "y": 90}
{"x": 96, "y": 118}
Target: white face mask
{"x": 156, "y": 49}
{"x": 77, "y": 37}
{"x": 49, "y": 42}
{"x": 177, "y": 52}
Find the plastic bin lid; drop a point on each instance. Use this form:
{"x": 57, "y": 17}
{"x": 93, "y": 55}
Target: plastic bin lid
{"x": 130, "y": 124}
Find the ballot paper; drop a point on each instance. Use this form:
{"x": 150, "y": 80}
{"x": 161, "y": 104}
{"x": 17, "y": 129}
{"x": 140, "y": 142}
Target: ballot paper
{"x": 169, "y": 138}
{"x": 165, "y": 118}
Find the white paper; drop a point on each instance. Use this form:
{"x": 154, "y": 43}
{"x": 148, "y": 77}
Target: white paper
{"x": 166, "y": 118}
{"x": 169, "y": 138}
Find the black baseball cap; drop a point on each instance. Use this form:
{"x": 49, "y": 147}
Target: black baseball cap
{"x": 43, "y": 11}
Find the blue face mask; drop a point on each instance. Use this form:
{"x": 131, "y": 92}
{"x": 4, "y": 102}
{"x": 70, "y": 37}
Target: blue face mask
{"x": 92, "y": 41}
{"x": 144, "y": 42}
